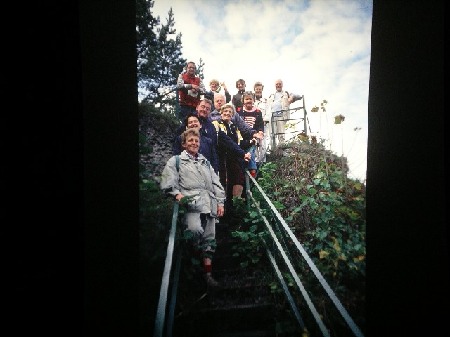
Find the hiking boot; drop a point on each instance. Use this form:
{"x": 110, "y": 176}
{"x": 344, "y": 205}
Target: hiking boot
{"x": 211, "y": 282}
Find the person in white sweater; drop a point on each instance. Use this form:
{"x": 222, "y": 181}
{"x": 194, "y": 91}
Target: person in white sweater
{"x": 278, "y": 104}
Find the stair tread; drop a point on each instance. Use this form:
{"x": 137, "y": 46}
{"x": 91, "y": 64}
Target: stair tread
{"x": 242, "y": 305}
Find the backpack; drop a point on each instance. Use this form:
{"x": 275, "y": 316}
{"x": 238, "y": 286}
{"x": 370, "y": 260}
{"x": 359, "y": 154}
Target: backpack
{"x": 177, "y": 162}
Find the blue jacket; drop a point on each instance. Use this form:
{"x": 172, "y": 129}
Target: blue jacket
{"x": 220, "y": 138}
{"x": 207, "y": 148}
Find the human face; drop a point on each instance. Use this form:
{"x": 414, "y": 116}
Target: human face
{"x": 226, "y": 114}
{"x": 193, "y": 122}
{"x": 258, "y": 91}
{"x": 240, "y": 86}
{"x": 203, "y": 109}
{"x": 213, "y": 86}
{"x": 192, "y": 144}
{"x": 219, "y": 100}
{"x": 248, "y": 101}
{"x": 191, "y": 69}
{"x": 279, "y": 85}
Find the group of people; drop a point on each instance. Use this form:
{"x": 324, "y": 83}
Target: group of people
{"x": 216, "y": 142}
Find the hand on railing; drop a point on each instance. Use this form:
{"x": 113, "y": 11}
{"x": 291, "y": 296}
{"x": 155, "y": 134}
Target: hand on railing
{"x": 258, "y": 136}
{"x": 247, "y": 156}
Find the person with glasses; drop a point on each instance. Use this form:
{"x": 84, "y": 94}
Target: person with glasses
{"x": 219, "y": 139}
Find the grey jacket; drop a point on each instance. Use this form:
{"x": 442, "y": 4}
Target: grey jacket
{"x": 195, "y": 179}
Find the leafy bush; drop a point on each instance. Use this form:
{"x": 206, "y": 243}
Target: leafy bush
{"x": 325, "y": 210}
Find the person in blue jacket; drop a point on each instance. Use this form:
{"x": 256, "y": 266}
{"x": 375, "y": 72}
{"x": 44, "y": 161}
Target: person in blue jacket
{"x": 207, "y": 148}
{"x": 218, "y": 137}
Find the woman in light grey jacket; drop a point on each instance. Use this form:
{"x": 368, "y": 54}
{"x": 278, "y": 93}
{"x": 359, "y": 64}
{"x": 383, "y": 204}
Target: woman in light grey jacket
{"x": 192, "y": 177}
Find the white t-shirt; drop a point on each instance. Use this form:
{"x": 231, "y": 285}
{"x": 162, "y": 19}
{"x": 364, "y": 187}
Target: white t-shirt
{"x": 277, "y": 104}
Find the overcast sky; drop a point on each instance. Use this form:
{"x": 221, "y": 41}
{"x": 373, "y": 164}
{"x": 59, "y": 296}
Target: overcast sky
{"x": 319, "y": 48}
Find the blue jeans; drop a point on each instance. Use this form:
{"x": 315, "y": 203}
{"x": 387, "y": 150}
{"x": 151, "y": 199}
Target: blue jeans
{"x": 251, "y": 165}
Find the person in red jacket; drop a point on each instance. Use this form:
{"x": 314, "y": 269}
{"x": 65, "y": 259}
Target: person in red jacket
{"x": 189, "y": 87}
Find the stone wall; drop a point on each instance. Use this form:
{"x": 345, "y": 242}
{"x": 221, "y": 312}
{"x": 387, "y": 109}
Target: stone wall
{"x": 159, "y": 140}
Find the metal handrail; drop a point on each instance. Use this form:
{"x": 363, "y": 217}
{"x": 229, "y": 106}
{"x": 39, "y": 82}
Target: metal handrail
{"x": 285, "y": 287}
{"x": 355, "y": 329}
{"x": 162, "y": 304}
{"x": 160, "y": 320}
{"x": 275, "y": 117}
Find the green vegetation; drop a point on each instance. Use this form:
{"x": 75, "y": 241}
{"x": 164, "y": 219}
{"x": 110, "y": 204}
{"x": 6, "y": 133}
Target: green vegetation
{"x": 307, "y": 184}
{"x": 326, "y": 212}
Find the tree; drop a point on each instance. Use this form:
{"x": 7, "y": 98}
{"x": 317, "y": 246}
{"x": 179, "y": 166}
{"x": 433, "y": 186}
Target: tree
{"x": 160, "y": 59}
{"x": 146, "y": 42}
{"x": 170, "y": 63}
{"x": 200, "y": 68}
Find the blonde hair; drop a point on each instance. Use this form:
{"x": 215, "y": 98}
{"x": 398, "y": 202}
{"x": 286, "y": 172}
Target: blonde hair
{"x": 214, "y": 81}
{"x": 189, "y": 132}
{"x": 257, "y": 84}
{"x": 228, "y": 105}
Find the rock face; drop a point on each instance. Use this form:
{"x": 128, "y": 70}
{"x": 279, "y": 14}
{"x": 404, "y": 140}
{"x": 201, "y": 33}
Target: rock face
{"x": 156, "y": 149}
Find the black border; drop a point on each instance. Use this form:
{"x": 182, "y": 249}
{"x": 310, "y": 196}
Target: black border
{"x": 71, "y": 206}
{"x": 407, "y": 253}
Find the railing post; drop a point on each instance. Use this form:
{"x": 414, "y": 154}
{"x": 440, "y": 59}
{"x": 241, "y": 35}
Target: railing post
{"x": 247, "y": 188}
{"x": 272, "y": 119}
{"x": 305, "y": 128}
{"x": 162, "y": 303}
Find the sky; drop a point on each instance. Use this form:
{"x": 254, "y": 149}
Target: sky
{"x": 319, "y": 49}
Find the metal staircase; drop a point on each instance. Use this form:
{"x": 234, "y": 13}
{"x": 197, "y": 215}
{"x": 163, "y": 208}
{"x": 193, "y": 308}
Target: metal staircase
{"x": 244, "y": 304}
{"x": 241, "y": 306}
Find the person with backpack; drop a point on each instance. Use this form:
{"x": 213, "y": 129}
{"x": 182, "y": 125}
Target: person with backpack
{"x": 190, "y": 179}
{"x": 207, "y": 147}
{"x": 219, "y": 139}
{"x": 278, "y": 104}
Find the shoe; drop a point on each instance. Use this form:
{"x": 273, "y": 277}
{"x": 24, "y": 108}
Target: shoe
{"x": 211, "y": 282}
